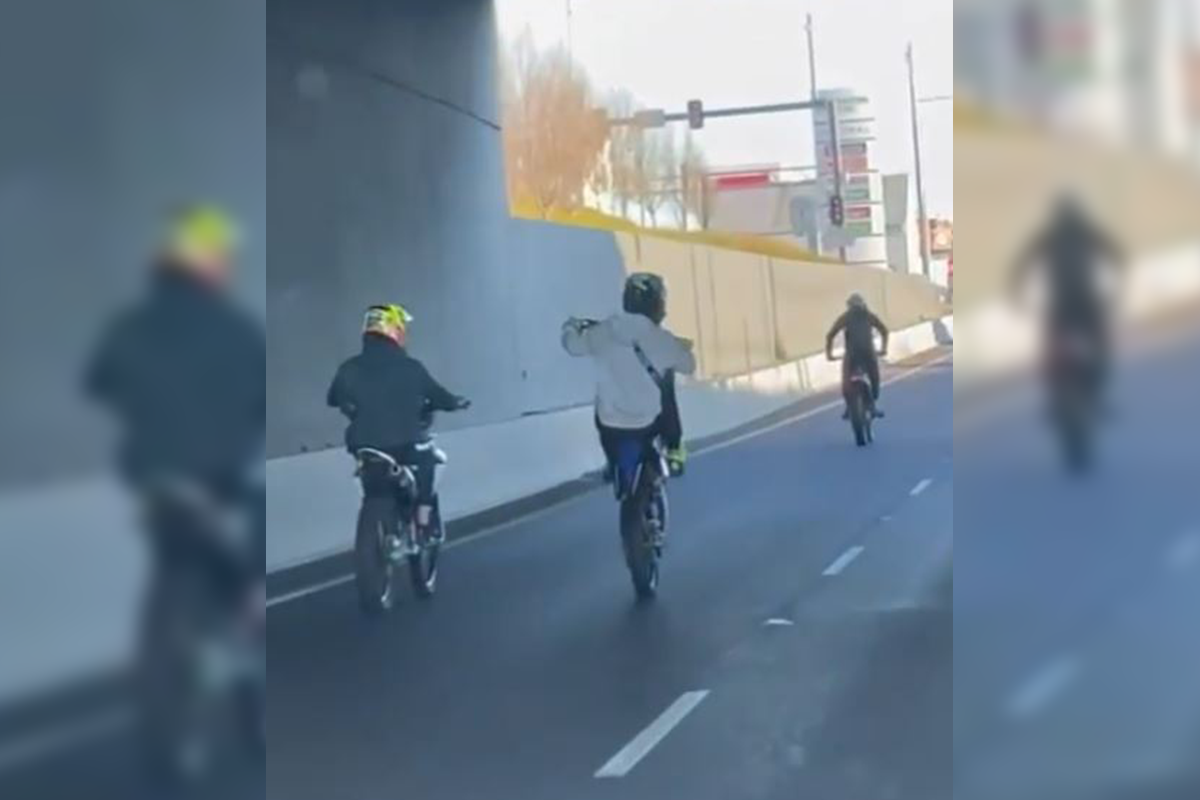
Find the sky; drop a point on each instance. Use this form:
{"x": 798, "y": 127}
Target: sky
{"x": 745, "y": 52}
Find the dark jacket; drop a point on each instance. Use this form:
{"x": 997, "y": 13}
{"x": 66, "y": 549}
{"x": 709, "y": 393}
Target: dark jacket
{"x": 184, "y": 372}
{"x": 1071, "y": 252}
{"x": 384, "y": 392}
{"x": 858, "y": 323}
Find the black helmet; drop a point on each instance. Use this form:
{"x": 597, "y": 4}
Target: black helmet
{"x": 646, "y": 294}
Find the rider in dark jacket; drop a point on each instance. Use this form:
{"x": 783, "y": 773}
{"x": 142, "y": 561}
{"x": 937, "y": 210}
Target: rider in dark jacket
{"x": 859, "y": 324}
{"x": 1071, "y": 252}
{"x": 182, "y": 371}
{"x": 387, "y": 395}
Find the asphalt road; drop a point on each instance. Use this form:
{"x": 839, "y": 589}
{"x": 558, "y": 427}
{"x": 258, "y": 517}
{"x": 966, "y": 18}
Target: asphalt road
{"x": 801, "y": 645}
{"x": 1076, "y": 648}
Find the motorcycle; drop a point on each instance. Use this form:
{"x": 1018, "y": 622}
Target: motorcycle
{"x": 202, "y": 659}
{"x": 388, "y": 532}
{"x": 640, "y": 485}
{"x": 1074, "y": 397}
{"x": 861, "y": 405}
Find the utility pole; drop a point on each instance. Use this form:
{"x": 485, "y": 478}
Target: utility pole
{"x": 812, "y": 59}
{"x": 922, "y": 218}
{"x": 812, "y": 98}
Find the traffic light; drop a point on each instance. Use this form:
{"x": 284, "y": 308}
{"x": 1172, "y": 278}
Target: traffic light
{"x": 837, "y": 211}
{"x": 695, "y": 114}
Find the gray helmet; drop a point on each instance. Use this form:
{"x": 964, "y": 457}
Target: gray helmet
{"x": 856, "y": 300}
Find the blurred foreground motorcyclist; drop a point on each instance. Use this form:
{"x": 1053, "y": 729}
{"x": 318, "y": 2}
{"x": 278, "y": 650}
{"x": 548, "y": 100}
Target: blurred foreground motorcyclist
{"x": 182, "y": 370}
{"x": 1071, "y": 253}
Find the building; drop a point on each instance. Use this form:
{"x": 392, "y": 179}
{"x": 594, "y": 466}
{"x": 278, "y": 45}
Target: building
{"x": 791, "y": 203}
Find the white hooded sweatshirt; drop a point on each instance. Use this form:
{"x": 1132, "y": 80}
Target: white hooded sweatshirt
{"x": 626, "y": 395}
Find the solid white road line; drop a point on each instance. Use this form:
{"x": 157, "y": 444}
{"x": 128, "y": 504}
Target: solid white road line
{"x": 920, "y": 487}
{"x": 306, "y": 591}
{"x": 41, "y": 745}
{"x": 843, "y": 561}
{"x": 619, "y": 765}
{"x": 1042, "y": 688}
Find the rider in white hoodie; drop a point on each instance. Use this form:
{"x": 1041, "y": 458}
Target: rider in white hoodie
{"x": 636, "y": 359}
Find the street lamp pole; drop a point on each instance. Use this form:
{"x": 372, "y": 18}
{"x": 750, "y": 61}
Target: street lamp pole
{"x": 922, "y": 217}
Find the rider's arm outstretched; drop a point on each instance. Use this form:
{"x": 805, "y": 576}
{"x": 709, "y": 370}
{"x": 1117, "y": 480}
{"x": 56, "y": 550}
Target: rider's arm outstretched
{"x": 439, "y": 397}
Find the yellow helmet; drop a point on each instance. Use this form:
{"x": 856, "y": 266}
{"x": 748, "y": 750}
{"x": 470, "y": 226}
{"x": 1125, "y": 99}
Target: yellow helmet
{"x": 204, "y": 231}
{"x": 389, "y": 315}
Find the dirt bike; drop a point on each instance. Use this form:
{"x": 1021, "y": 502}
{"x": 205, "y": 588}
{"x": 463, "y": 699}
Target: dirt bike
{"x": 202, "y": 656}
{"x": 860, "y": 402}
{"x": 388, "y": 531}
{"x": 1073, "y": 381}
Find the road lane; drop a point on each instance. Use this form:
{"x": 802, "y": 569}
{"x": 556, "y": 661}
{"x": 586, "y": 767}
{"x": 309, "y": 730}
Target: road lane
{"x": 1075, "y": 644}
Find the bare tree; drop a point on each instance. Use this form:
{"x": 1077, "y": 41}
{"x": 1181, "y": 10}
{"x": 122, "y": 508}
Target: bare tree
{"x": 553, "y": 135}
{"x": 654, "y": 160}
{"x": 624, "y": 152}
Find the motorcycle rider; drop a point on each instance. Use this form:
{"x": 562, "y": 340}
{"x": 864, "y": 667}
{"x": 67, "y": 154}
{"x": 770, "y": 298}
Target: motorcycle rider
{"x": 859, "y": 324}
{"x": 638, "y": 359}
{"x": 1070, "y": 251}
{"x": 182, "y": 370}
{"x": 386, "y": 395}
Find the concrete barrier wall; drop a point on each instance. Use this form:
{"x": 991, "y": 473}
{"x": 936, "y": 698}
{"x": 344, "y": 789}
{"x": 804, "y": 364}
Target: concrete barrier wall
{"x": 747, "y": 311}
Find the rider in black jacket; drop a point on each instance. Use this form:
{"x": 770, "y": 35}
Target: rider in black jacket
{"x": 859, "y": 324}
{"x": 386, "y": 394}
{"x": 182, "y": 371}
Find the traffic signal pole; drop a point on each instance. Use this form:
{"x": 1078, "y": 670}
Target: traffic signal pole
{"x": 696, "y": 114}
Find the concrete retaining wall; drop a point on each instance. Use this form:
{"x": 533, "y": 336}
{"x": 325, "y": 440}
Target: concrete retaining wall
{"x": 747, "y": 311}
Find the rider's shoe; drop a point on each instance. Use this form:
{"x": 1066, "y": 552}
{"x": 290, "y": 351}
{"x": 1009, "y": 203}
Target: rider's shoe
{"x": 677, "y": 461}
{"x": 846, "y": 412}
{"x": 878, "y": 412}
{"x": 394, "y": 549}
